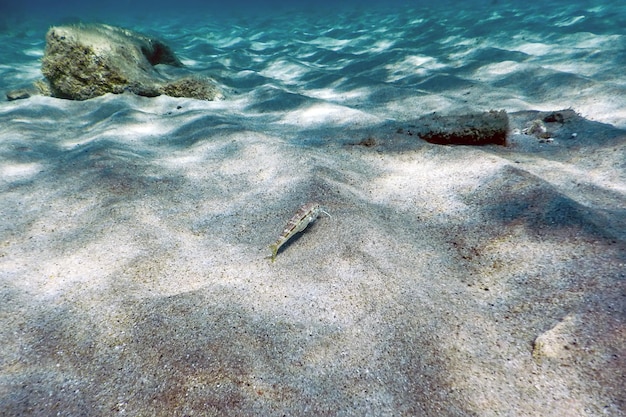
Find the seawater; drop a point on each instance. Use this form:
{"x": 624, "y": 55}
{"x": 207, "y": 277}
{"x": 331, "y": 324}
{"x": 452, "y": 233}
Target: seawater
{"x": 362, "y": 54}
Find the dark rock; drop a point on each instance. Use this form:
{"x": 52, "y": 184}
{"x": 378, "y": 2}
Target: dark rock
{"x": 367, "y": 142}
{"x": 473, "y": 129}
{"x": 86, "y": 61}
{"x": 561, "y": 116}
{"x": 554, "y": 118}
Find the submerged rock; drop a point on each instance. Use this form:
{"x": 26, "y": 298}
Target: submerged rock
{"x": 39, "y": 87}
{"x": 86, "y": 61}
{"x": 19, "y": 94}
{"x": 192, "y": 87}
{"x": 472, "y": 129}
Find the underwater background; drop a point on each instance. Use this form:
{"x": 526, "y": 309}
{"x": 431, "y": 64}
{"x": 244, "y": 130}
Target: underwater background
{"x": 135, "y": 266}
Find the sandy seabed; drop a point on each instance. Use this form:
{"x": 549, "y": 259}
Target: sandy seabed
{"x": 450, "y": 280}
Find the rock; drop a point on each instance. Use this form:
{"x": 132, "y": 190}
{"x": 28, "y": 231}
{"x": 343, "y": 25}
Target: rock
{"x": 561, "y": 117}
{"x": 192, "y": 87}
{"x": 18, "y": 94}
{"x": 86, "y": 61}
{"x": 472, "y": 129}
{"x": 558, "y": 342}
{"x": 39, "y": 87}
{"x": 538, "y": 129}
{"x": 554, "y": 117}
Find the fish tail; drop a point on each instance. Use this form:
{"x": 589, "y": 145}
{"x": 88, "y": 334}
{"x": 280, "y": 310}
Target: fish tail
{"x": 274, "y": 249}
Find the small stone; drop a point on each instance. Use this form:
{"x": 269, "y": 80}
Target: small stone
{"x": 556, "y": 117}
{"x": 19, "y": 94}
{"x": 192, "y": 87}
{"x": 536, "y": 128}
{"x": 368, "y": 142}
{"x": 557, "y": 342}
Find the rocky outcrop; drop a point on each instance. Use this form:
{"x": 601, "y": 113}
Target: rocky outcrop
{"x": 85, "y": 61}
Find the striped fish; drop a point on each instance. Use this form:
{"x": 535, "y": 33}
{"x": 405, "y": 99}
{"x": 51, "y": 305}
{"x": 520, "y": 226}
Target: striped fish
{"x": 305, "y": 215}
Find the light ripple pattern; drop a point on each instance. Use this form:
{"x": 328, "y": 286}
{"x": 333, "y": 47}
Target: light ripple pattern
{"x": 397, "y": 62}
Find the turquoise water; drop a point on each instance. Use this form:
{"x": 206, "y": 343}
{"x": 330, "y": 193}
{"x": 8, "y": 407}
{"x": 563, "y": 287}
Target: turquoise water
{"x": 366, "y": 55}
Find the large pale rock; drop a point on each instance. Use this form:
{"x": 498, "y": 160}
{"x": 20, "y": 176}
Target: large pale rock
{"x": 86, "y": 61}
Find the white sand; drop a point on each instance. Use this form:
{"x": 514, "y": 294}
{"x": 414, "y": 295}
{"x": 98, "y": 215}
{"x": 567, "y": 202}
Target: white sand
{"x": 134, "y": 269}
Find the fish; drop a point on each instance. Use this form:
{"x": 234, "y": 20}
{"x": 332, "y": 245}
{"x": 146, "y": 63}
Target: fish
{"x": 305, "y": 215}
